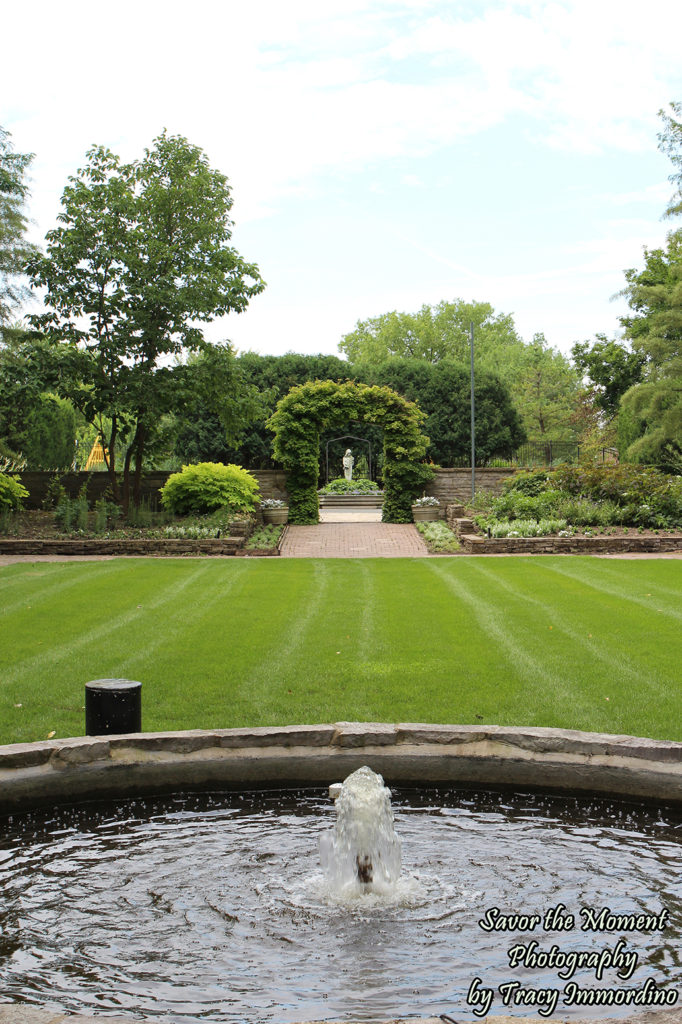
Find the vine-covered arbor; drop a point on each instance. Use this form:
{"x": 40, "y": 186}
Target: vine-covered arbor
{"x": 323, "y": 405}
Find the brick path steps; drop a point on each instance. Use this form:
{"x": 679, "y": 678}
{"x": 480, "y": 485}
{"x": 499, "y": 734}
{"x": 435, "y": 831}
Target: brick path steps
{"x": 353, "y": 540}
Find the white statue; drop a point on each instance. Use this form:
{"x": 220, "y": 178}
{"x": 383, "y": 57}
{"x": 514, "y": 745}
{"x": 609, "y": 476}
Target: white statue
{"x": 348, "y": 461}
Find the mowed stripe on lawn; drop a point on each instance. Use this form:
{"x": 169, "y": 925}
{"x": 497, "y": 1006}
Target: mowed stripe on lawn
{"x": 570, "y": 642}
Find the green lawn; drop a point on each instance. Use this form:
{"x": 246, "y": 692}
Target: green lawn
{"x": 556, "y": 641}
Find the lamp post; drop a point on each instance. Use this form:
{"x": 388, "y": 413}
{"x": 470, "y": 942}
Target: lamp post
{"x": 473, "y": 425}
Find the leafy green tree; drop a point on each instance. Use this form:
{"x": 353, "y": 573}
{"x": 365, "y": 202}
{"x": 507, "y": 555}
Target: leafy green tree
{"x": 140, "y": 260}
{"x": 47, "y": 439}
{"x": 542, "y": 383}
{"x": 610, "y": 368}
{"x": 202, "y": 437}
{"x": 14, "y": 250}
{"x": 546, "y": 391}
{"x": 433, "y": 333}
{"x": 219, "y": 404}
{"x": 22, "y": 382}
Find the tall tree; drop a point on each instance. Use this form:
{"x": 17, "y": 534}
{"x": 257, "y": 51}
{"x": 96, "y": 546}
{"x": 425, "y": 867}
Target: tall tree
{"x": 442, "y": 392}
{"x": 651, "y": 411}
{"x": 202, "y": 436}
{"x": 670, "y": 143}
{"x": 14, "y": 249}
{"x": 433, "y": 333}
{"x": 542, "y": 383}
{"x": 653, "y": 408}
{"x": 610, "y": 368}
{"x": 546, "y": 390}
{"x": 141, "y": 258}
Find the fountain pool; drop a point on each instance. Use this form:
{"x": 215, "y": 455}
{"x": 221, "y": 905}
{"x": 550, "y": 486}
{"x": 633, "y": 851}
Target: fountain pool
{"x": 214, "y": 906}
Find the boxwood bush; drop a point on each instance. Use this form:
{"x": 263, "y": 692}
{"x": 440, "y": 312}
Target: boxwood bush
{"x": 207, "y": 486}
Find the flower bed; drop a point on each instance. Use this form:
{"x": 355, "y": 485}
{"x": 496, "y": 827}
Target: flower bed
{"x": 41, "y": 533}
{"x": 439, "y": 538}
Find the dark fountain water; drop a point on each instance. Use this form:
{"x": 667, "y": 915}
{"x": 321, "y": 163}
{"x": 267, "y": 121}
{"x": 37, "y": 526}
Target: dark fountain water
{"x": 216, "y": 908}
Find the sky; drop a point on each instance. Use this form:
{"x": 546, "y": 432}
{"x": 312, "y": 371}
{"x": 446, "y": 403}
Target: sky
{"x": 382, "y": 154}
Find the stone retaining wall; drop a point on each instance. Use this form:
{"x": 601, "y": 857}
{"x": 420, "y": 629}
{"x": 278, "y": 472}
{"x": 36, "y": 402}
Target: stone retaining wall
{"x": 449, "y": 485}
{"x": 128, "y": 546}
{"x": 454, "y": 485}
{"x": 272, "y": 484}
{"x": 69, "y": 770}
{"x": 474, "y": 544}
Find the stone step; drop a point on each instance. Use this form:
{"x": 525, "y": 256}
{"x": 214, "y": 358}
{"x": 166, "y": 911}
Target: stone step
{"x": 351, "y": 500}
{"x": 462, "y": 526}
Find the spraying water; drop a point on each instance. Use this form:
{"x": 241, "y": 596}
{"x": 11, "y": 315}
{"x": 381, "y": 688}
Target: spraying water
{"x": 362, "y": 852}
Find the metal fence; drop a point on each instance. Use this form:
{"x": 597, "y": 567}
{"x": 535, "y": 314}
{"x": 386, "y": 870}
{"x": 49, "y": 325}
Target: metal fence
{"x": 539, "y": 453}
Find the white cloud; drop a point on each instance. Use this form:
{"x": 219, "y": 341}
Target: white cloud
{"x": 291, "y": 98}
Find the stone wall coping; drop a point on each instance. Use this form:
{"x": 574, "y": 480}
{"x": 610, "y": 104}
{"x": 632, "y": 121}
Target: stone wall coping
{"x": 86, "y": 767}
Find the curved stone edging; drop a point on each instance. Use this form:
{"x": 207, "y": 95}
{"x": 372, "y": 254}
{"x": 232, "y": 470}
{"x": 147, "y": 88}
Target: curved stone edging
{"x": 81, "y": 768}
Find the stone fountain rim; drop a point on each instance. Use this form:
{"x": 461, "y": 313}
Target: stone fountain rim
{"x": 80, "y": 768}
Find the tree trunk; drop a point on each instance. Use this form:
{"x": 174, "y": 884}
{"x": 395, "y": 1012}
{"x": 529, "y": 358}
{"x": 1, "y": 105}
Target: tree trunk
{"x": 141, "y": 437}
{"x": 110, "y": 460}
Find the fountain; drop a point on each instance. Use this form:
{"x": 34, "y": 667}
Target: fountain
{"x": 277, "y": 905}
{"x": 362, "y": 852}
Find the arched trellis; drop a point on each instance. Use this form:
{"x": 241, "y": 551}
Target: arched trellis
{"x": 323, "y": 405}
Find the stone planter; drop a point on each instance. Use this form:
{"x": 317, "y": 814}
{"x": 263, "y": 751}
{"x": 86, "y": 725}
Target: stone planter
{"x": 276, "y": 516}
{"x": 425, "y": 513}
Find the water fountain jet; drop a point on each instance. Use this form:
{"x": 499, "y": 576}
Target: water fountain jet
{"x": 362, "y": 850}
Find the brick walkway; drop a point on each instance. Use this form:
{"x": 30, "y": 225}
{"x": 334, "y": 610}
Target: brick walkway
{"x": 353, "y": 540}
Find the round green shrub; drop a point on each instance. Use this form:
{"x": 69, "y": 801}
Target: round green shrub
{"x": 207, "y": 486}
{"x": 12, "y": 493}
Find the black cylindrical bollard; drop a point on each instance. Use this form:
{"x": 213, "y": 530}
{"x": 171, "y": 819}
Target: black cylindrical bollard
{"x": 112, "y": 706}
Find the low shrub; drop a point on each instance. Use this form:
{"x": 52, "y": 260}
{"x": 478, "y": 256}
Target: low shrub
{"x": 106, "y": 513}
{"x": 12, "y": 493}
{"x": 68, "y": 513}
{"x": 438, "y": 537}
{"x": 527, "y": 527}
{"x": 217, "y": 524}
{"x": 208, "y": 486}
{"x": 528, "y": 481}
{"x": 266, "y": 538}
{"x": 343, "y": 486}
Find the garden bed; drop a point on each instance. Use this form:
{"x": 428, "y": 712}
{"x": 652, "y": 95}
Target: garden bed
{"x": 265, "y": 541}
{"x": 584, "y": 509}
{"x": 37, "y": 533}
